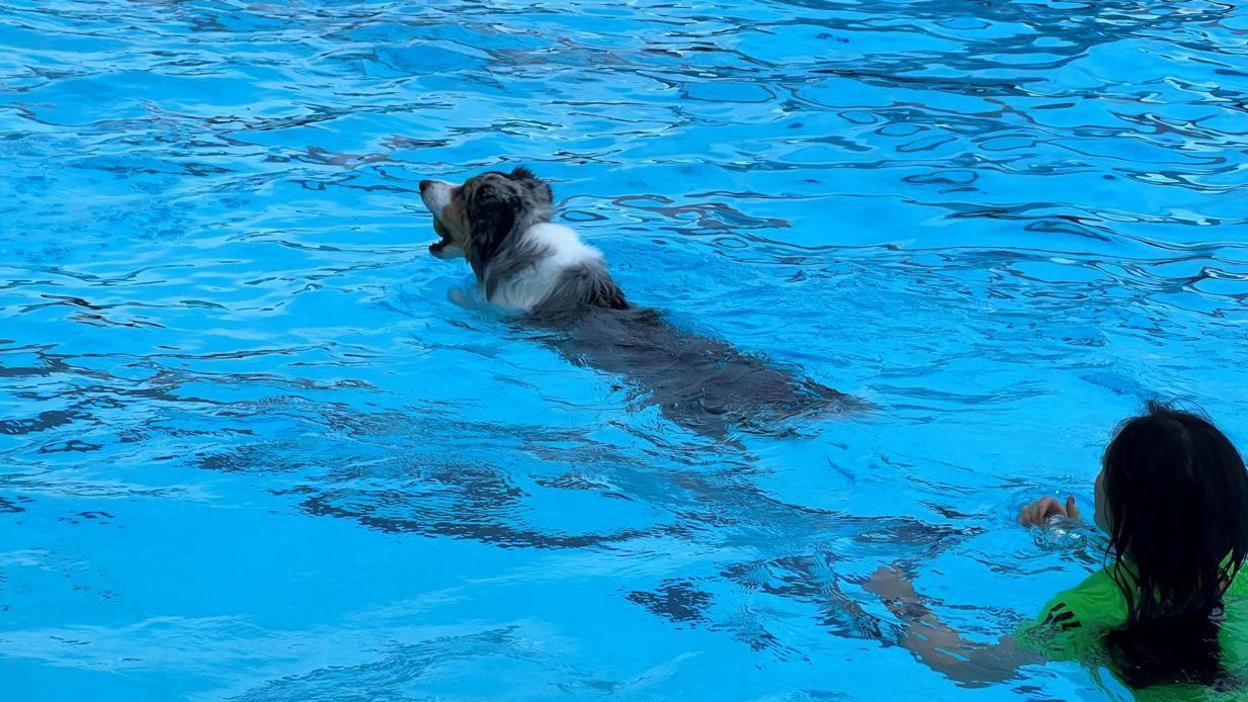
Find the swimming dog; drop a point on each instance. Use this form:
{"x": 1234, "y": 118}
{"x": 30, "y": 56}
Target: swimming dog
{"x": 526, "y": 263}
{"x": 523, "y": 261}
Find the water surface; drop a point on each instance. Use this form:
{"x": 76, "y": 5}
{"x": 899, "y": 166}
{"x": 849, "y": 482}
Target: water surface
{"x": 250, "y": 450}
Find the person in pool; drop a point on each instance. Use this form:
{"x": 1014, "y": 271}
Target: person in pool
{"x": 1169, "y": 615}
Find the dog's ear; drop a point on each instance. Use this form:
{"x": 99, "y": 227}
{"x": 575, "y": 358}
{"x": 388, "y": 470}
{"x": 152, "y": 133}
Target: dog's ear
{"x": 520, "y": 173}
{"x": 491, "y": 213}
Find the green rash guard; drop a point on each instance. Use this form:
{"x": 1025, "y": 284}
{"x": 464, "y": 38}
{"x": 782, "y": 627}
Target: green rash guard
{"x": 1072, "y": 627}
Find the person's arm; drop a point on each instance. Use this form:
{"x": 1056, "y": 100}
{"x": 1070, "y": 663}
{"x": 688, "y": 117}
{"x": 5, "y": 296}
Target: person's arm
{"x": 938, "y": 645}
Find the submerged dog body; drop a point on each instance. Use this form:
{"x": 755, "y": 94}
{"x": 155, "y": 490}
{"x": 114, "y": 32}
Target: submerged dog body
{"x": 501, "y": 223}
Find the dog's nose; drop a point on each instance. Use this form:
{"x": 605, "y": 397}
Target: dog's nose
{"x": 424, "y": 184}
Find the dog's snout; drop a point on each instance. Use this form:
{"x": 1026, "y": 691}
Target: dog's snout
{"x": 436, "y": 194}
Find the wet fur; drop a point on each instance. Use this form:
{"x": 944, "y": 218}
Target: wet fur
{"x": 699, "y": 382}
{"x": 525, "y": 262}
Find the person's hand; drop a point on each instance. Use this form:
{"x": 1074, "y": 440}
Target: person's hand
{"x": 889, "y": 583}
{"x": 1042, "y": 510}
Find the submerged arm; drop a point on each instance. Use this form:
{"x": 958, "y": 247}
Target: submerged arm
{"x": 938, "y": 645}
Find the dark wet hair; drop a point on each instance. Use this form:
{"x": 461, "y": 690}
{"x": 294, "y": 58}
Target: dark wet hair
{"x": 1176, "y": 495}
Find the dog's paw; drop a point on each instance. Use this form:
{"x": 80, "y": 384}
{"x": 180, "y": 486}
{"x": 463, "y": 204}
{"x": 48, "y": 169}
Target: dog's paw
{"x": 461, "y": 298}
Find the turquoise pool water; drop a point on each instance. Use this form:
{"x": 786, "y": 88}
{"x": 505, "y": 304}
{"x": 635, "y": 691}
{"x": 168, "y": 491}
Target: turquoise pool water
{"x": 250, "y": 450}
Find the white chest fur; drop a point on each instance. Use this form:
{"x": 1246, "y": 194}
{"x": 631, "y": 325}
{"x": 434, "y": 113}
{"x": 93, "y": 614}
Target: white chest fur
{"x": 526, "y": 288}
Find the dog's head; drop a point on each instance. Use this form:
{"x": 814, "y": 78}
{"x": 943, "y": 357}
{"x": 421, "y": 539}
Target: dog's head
{"x": 477, "y": 218}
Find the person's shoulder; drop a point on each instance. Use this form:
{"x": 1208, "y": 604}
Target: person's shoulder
{"x": 1070, "y": 626}
{"x": 1096, "y": 602}
{"x": 1239, "y": 584}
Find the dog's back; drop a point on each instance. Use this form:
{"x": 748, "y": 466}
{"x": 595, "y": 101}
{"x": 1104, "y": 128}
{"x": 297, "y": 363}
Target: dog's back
{"x": 704, "y": 384}
{"x": 699, "y": 382}
{"x": 581, "y": 287}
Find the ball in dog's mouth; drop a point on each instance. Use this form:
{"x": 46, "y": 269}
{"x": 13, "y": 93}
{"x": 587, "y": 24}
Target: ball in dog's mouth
{"x": 442, "y": 231}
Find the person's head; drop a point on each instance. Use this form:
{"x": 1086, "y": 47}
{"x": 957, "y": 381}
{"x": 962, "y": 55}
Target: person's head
{"x": 1173, "y": 496}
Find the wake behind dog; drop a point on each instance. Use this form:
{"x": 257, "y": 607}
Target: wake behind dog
{"x": 524, "y": 262}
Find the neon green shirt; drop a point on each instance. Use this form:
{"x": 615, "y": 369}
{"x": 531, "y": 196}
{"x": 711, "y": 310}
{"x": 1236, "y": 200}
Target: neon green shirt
{"x": 1073, "y": 625}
